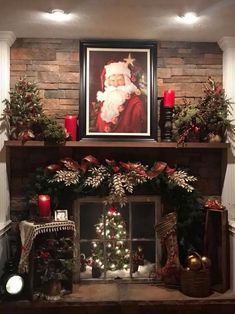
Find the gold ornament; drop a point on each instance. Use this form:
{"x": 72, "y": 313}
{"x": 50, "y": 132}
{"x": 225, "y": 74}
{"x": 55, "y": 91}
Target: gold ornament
{"x": 194, "y": 262}
{"x": 206, "y": 261}
{"x": 214, "y": 138}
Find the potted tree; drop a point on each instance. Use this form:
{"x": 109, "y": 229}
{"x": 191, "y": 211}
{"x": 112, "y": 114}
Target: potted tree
{"x": 25, "y": 118}
{"x": 53, "y": 265}
{"x": 206, "y": 121}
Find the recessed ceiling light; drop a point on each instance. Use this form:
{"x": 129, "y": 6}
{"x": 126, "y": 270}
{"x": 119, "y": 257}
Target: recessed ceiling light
{"x": 58, "y": 15}
{"x": 188, "y": 18}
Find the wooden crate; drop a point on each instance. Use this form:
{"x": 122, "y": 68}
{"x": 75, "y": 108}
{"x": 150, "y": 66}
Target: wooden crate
{"x": 216, "y": 244}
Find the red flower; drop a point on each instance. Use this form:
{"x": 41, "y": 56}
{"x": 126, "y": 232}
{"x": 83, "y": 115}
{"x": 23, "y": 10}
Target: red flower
{"x": 115, "y": 169}
{"x": 44, "y": 254}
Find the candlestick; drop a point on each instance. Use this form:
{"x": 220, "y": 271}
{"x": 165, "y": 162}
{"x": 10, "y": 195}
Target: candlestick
{"x": 70, "y": 124}
{"x": 44, "y": 205}
{"x": 169, "y": 98}
{"x": 167, "y": 127}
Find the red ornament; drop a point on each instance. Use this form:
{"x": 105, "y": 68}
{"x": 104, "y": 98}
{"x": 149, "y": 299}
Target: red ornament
{"x": 169, "y": 98}
{"x": 112, "y": 210}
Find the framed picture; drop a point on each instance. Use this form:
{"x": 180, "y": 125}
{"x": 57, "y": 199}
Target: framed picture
{"x": 61, "y": 215}
{"x": 118, "y": 90}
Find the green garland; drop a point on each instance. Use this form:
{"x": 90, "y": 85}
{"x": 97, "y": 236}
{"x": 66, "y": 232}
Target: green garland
{"x": 113, "y": 180}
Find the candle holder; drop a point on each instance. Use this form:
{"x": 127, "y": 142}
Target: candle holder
{"x": 167, "y": 126}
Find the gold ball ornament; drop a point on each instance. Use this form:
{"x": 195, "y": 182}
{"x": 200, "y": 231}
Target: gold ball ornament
{"x": 215, "y": 138}
{"x": 194, "y": 262}
{"x": 206, "y": 261}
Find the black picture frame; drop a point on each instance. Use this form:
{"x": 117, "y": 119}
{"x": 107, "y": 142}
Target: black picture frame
{"x": 139, "y": 110}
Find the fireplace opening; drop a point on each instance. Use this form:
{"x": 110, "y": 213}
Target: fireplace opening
{"x": 116, "y": 242}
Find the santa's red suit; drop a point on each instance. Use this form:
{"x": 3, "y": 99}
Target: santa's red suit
{"x": 131, "y": 120}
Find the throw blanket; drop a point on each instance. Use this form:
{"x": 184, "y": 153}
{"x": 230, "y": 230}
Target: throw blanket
{"x": 29, "y": 231}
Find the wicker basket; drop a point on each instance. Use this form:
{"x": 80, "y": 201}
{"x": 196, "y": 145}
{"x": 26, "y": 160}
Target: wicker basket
{"x": 195, "y": 283}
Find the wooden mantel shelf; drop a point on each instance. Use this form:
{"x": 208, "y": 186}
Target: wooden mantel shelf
{"x": 125, "y": 144}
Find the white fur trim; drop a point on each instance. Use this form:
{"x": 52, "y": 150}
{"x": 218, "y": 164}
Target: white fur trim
{"x": 117, "y": 68}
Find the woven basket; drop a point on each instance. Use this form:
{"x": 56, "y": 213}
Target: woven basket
{"x": 195, "y": 283}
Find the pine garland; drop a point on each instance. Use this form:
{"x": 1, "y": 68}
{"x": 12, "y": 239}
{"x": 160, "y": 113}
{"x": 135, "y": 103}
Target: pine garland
{"x": 116, "y": 180}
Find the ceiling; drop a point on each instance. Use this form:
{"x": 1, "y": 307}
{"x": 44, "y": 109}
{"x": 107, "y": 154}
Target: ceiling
{"x": 120, "y": 19}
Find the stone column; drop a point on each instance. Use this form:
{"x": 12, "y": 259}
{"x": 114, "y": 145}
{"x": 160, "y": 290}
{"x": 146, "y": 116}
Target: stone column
{"x": 6, "y": 40}
{"x": 227, "y": 44}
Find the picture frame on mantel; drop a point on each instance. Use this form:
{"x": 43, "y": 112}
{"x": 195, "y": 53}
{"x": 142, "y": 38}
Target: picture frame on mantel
{"x": 118, "y": 90}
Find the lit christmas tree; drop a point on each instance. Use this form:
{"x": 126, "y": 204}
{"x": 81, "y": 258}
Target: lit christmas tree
{"x": 114, "y": 247}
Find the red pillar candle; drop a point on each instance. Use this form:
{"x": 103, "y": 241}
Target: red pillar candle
{"x": 70, "y": 123}
{"x": 44, "y": 205}
{"x": 169, "y": 98}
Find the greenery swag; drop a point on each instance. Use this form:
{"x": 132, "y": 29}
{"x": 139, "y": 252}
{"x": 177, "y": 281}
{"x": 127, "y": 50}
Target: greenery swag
{"x": 69, "y": 179}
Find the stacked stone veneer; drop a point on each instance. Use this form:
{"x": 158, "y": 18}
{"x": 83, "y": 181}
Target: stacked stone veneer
{"x": 54, "y": 65}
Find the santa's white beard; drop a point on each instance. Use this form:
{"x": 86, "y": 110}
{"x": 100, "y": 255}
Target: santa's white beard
{"x": 113, "y": 98}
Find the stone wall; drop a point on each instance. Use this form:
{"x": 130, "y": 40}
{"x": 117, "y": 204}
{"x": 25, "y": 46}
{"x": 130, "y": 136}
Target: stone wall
{"x": 54, "y": 65}
{"x": 185, "y": 66}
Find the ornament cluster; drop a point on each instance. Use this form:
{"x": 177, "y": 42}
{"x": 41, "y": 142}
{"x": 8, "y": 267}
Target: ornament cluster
{"x": 195, "y": 262}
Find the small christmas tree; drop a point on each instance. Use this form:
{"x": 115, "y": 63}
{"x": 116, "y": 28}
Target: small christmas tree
{"x": 22, "y": 109}
{"x": 25, "y": 118}
{"x": 112, "y": 229}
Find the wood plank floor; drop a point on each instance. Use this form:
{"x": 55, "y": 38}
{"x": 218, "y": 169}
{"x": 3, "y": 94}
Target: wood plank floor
{"x": 125, "y": 299}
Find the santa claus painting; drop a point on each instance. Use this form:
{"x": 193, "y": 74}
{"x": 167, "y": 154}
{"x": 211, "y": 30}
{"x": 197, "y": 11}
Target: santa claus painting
{"x": 118, "y": 92}
{"x": 122, "y": 108}
{"x": 117, "y": 89}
